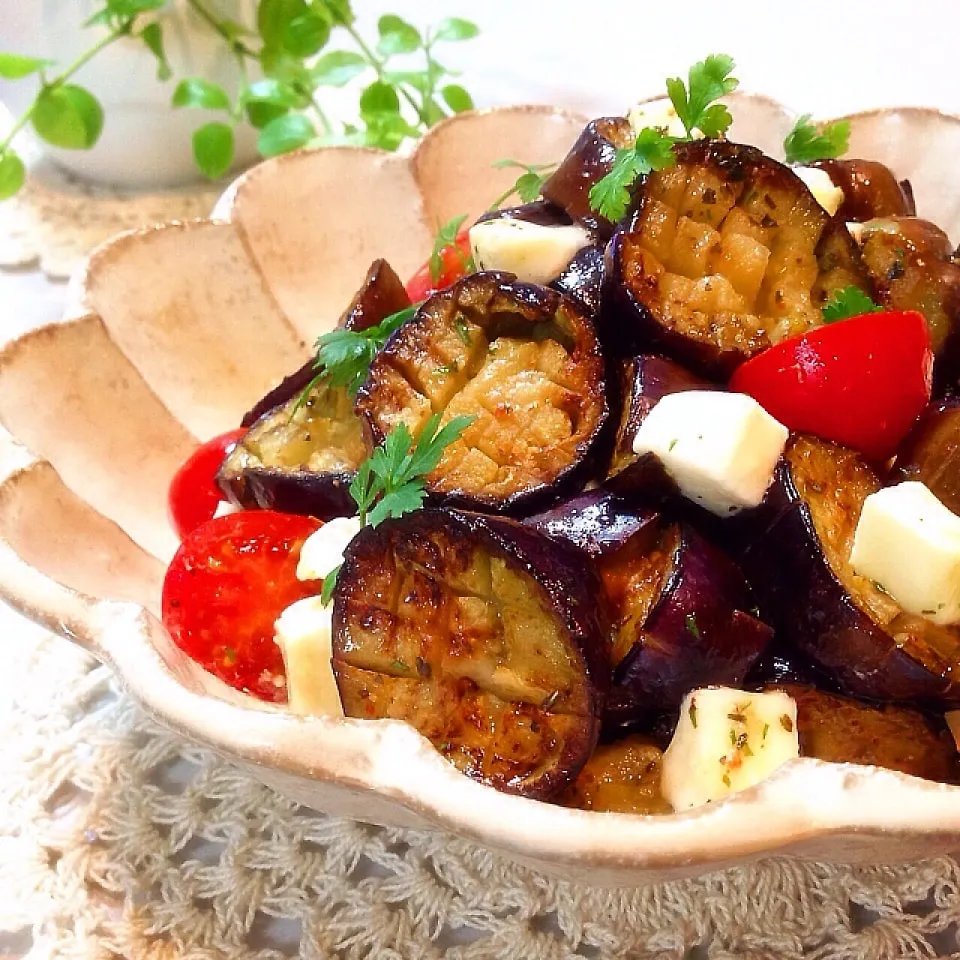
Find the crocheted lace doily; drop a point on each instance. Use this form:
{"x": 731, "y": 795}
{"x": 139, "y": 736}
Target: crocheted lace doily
{"x": 117, "y": 838}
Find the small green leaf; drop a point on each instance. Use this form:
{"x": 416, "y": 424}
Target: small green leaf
{"x": 284, "y": 134}
{"x": 455, "y": 28}
{"x": 306, "y": 35}
{"x": 213, "y": 149}
{"x": 197, "y": 92}
{"x": 457, "y": 99}
{"x": 337, "y": 68}
{"x": 271, "y": 90}
{"x": 397, "y": 36}
{"x": 15, "y": 67}
{"x": 528, "y": 187}
{"x": 12, "y": 174}
{"x": 338, "y": 10}
{"x": 807, "y": 142}
{"x": 68, "y": 116}
{"x": 275, "y": 16}
{"x": 329, "y": 583}
{"x": 152, "y": 36}
{"x": 379, "y": 98}
{"x": 260, "y": 114}
{"x": 283, "y": 65}
{"x": 848, "y": 302}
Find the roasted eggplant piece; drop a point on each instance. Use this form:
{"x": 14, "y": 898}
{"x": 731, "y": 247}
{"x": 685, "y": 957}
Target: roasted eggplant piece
{"x": 583, "y": 278}
{"x": 869, "y": 190}
{"x": 590, "y": 159}
{"x": 524, "y": 362}
{"x": 931, "y": 452}
{"x": 798, "y": 564}
{"x": 644, "y": 380}
{"x": 541, "y": 212}
{"x": 727, "y": 253}
{"x": 300, "y": 457}
{"x": 843, "y": 730}
{"x": 680, "y": 619}
{"x": 486, "y": 636}
{"x": 622, "y": 777}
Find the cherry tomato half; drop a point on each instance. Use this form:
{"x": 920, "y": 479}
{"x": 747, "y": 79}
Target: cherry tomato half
{"x": 455, "y": 262}
{"x": 860, "y": 382}
{"x": 193, "y": 496}
{"x": 224, "y": 589}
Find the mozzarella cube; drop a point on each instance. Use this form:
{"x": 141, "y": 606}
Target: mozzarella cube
{"x": 727, "y": 740}
{"x": 304, "y": 633}
{"x": 719, "y": 448}
{"x": 659, "y": 114}
{"x": 909, "y": 542}
{"x": 534, "y": 252}
{"x": 322, "y": 552}
{"x": 824, "y": 191}
{"x": 225, "y": 508}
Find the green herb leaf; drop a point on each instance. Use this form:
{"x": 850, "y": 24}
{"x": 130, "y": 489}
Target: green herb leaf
{"x": 68, "y": 116}
{"x": 337, "y": 68}
{"x": 260, "y": 114}
{"x": 329, "y": 584}
{"x": 528, "y": 185}
{"x": 692, "y": 628}
{"x": 13, "y": 66}
{"x": 397, "y": 36}
{"x": 807, "y": 142}
{"x": 610, "y": 196}
{"x": 12, "y": 174}
{"x": 274, "y": 18}
{"x": 152, "y": 36}
{"x": 457, "y": 98}
{"x": 379, "y": 99}
{"x": 446, "y": 237}
{"x": 286, "y": 133}
{"x": 846, "y": 303}
{"x": 455, "y": 28}
{"x": 200, "y": 93}
{"x": 708, "y": 81}
{"x": 271, "y": 90}
{"x": 306, "y": 35}
{"x": 213, "y": 149}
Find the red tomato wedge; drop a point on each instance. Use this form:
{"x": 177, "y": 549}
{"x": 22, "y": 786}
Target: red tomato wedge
{"x": 455, "y": 262}
{"x": 860, "y": 382}
{"x": 193, "y": 496}
{"x": 227, "y": 584}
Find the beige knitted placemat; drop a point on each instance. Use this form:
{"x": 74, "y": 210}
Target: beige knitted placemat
{"x": 118, "y": 838}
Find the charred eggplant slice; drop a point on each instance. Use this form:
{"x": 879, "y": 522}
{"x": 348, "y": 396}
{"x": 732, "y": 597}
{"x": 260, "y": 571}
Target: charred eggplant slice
{"x": 843, "y": 730}
{"x": 798, "y": 564}
{"x": 644, "y": 380}
{"x": 590, "y": 159}
{"x": 869, "y": 190}
{"x": 582, "y": 279}
{"x": 931, "y": 452}
{"x": 481, "y": 633}
{"x": 727, "y": 253}
{"x": 299, "y": 457}
{"x": 524, "y": 362}
{"x": 621, "y": 777}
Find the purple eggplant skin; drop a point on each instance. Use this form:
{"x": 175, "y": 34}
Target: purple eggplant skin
{"x": 590, "y": 159}
{"x": 931, "y": 452}
{"x": 541, "y": 212}
{"x": 869, "y": 190}
{"x": 698, "y": 632}
{"x": 320, "y": 495}
{"x": 582, "y": 278}
{"x": 596, "y": 522}
{"x": 787, "y": 566}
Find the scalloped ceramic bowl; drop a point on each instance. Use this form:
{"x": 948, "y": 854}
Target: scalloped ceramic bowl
{"x": 178, "y": 328}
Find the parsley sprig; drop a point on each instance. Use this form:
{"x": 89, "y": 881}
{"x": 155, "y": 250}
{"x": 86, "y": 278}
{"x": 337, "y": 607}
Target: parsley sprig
{"x": 528, "y": 185}
{"x": 696, "y": 106}
{"x": 447, "y": 237}
{"x": 807, "y": 142}
{"x": 391, "y": 481}
{"x": 344, "y": 356}
{"x": 846, "y": 303}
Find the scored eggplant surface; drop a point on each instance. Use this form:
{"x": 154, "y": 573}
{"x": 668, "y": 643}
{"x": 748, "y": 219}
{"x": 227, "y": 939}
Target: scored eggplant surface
{"x": 799, "y": 565}
{"x": 481, "y": 633}
{"x": 726, "y": 254}
{"x": 524, "y": 362}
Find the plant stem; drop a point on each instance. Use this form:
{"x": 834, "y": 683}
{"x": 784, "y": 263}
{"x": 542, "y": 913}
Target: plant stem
{"x": 378, "y": 67}
{"x": 237, "y": 47}
{"x": 62, "y": 78}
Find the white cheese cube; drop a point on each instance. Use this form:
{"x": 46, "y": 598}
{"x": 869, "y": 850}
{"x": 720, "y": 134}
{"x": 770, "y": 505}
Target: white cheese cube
{"x": 304, "y": 633}
{"x": 659, "y": 114}
{"x": 322, "y": 552}
{"x": 909, "y": 543}
{"x": 535, "y": 253}
{"x": 719, "y": 448}
{"x": 225, "y": 508}
{"x": 818, "y": 182}
{"x": 727, "y": 740}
